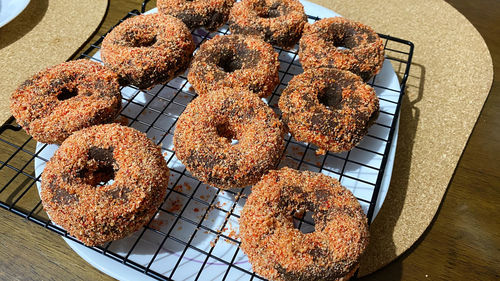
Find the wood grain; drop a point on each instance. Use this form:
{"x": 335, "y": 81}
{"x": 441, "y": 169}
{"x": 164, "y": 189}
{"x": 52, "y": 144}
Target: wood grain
{"x": 463, "y": 243}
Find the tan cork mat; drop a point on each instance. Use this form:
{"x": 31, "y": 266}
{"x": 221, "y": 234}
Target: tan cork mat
{"x": 44, "y": 34}
{"x": 450, "y": 78}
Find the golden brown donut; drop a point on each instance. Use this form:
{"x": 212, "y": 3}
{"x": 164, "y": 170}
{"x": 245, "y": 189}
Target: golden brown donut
{"x": 341, "y": 43}
{"x": 197, "y": 13}
{"x": 95, "y": 213}
{"x": 330, "y": 108}
{"x": 278, "y": 22}
{"x": 235, "y": 61}
{"x": 204, "y": 131}
{"x": 148, "y": 49}
{"x": 66, "y": 98}
{"x": 278, "y": 251}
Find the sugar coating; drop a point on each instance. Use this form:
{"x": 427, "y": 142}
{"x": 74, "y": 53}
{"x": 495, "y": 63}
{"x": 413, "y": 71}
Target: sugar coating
{"x": 278, "y": 251}
{"x": 210, "y": 14}
{"x": 43, "y": 105}
{"x": 351, "y": 108}
{"x": 148, "y": 49}
{"x": 363, "y": 52}
{"x": 203, "y": 134}
{"x": 279, "y": 22}
{"x": 235, "y": 61}
{"x": 95, "y": 214}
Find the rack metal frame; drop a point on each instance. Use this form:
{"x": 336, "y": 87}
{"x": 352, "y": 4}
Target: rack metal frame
{"x": 18, "y": 182}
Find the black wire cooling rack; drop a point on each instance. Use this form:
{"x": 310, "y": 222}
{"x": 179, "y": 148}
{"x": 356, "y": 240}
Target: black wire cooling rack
{"x": 194, "y": 234}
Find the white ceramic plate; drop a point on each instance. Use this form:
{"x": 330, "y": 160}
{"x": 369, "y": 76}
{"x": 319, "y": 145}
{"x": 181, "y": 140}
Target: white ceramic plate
{"x": 356, "y": 179}
{"x": 9, "y": 9}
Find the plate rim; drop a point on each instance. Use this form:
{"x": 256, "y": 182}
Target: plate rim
{"x": 23, "y": 6}
{"x": 120, "y": 271}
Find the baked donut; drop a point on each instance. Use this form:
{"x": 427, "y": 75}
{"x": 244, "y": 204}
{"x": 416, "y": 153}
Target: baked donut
{"x": 65, "y": 98}
{"x": 148, "y": 49}
{"x": 328, "y": 107}
{"x": 344, "y": 44}
{"x": 73, "y": 194}
{"x": 235, "y": 61}
{"x": 204, "y": 131}
{"x": 278, "y": 251}
{"x": 279, "y": 22}
{"x": 197, "y": 13}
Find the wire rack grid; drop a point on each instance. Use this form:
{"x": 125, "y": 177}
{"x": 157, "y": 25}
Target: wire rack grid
{"x": 194, "y": 234}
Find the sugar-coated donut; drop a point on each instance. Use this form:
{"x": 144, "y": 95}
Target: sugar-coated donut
{"x": 279, "y": 22}
{"x": 235, "y": 61}
{"x": 197, "y": 13}
{"x": 204, "y": 131}
{"x": 344, "y": 44}
{"x": 148, "y": 49}
{"x": 66, "y": 98}
{"x": 328, "y": 107}
{"x": 95, "y": 213}
{"x": 278, "y": 251}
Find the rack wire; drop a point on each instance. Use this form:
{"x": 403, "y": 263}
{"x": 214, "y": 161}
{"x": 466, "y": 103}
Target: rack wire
{"x": 193, "y": 235}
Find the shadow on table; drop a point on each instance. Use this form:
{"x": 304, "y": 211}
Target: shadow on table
{"x": 382, "y": 246}
{"x": 23, "y": 23}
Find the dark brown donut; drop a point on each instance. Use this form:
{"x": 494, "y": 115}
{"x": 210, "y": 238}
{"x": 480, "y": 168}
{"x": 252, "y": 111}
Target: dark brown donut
{"x": 95, "y": 213}
{"x": 204, "y": 131}
{"x": 235, "y": 61}
{"x": 278, "y": 251}
{"x": 279, "y": 22}
{"x": 344, "y": 44}
{"x": 328, "y": 107}
{"x": 66, "y": 98}
{"x": 197, "y": 13}
{"x": 148, "y": 49}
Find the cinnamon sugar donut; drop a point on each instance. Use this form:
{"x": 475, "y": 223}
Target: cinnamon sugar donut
{"x": 148, "y": 49}
{"x": 344, "y": 44}
{"x": 94, "y": 213}
{"x": 197, "y": 13}
{"x": 279, "y": 22}
{"x": 65, "y": 98}
{"x": 328, "y": 107}
{"x": 204, "y": 131}
{"x": 278, "y": 251}
{"x": 235, "y": 61}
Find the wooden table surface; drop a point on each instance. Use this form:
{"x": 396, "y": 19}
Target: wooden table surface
{"x": 462, "y": 243}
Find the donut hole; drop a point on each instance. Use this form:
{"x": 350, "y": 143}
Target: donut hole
{"x": 144, "y": 42}
{"x": 97, "y": 175}
{"x": 144, "y": 38}
{"x": 270, "y": 12}
{"x": 67, "y": 93}
{"x": 303, "y": 221}
{"x": 100, "y": 169}
{"x": 331, "y": 97}
{"x": 226, "y": 131}
{"x": 104, "y": 175}
{"x": 341, "y": 37}
{"x": 229, "y": 62}
{"x": 345, "y": 43}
